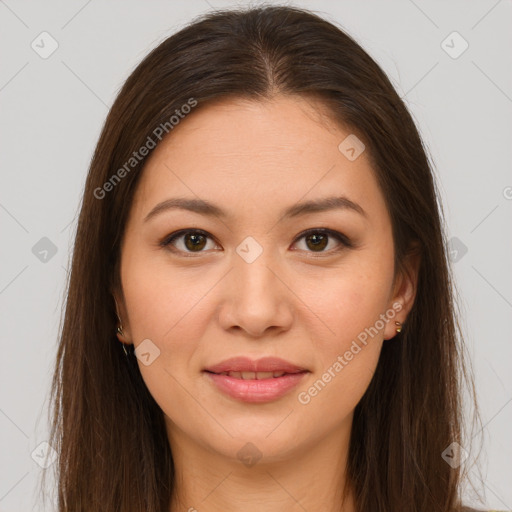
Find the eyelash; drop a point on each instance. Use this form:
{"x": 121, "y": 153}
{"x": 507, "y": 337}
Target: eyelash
{"x": 340, "y": 237}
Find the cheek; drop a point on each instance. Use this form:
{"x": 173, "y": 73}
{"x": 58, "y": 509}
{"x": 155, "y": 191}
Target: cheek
{"x": 350, "y": 303}
{"x": 171, "y": 307}
{"x": 353, "y": 311}
{"x": 346, "y": 361}
{"x": 165, "y": 306}
{"x": 161, "y": 299}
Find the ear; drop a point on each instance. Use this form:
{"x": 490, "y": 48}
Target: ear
{"x": 122, "y": 318}
{"x": 404, "y": 291}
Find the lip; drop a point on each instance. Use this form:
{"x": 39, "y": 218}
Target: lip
{"x": 245, "y": 364}
{"x": 256, "y": 390}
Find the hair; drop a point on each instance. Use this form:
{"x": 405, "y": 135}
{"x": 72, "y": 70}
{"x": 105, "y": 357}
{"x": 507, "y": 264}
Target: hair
{"x": 109, "y": 433}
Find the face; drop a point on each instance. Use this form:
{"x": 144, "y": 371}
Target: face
{"x": 258, "y": 275}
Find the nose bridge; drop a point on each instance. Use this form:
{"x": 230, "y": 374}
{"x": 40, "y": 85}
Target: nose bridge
{"x": 254, "y": 278}
{"x": 257, "y": 293}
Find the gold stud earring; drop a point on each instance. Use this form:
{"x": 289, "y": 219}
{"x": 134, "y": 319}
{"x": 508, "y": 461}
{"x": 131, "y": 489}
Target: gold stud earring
{"x": 398, "y": 327}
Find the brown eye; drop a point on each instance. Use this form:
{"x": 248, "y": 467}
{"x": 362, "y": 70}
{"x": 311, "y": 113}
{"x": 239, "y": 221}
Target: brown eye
{"x": 195, "y": 242}
{"x": 187, "y": 241}
{"x": 316, "y": 240}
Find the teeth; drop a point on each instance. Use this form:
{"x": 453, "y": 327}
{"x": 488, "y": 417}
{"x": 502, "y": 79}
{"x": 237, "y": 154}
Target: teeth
{"x": 253, "y": 375}
{"x": 264, "y": 375}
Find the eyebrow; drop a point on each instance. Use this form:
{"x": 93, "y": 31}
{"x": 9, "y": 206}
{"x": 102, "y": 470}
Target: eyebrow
{"x": 306, "y": 207}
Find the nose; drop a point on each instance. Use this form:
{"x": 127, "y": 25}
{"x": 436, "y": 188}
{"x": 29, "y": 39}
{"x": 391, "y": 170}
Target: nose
{"x": 256, "y": 298}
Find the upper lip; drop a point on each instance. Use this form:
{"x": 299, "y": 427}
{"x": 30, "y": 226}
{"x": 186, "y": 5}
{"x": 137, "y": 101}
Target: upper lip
{"x": 245, "y": 364}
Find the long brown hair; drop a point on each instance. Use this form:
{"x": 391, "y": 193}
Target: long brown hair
{"x": 107, "y": 429}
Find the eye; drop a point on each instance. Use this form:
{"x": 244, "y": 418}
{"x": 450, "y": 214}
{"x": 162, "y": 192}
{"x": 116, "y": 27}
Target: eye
{"x": 195, "y": 240}
{"x": 316, "y": 240}
{"x": 187, "y": 240}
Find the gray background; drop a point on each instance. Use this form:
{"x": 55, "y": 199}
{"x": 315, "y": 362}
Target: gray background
{"x": 52, "y": 110}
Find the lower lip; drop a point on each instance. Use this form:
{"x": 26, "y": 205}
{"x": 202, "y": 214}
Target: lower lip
{"x": 253, "y": 390}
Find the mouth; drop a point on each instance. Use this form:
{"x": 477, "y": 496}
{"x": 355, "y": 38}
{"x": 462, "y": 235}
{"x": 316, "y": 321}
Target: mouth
{"x": 262, "y": 380}
{"x": 255, "y": 375}
{"x": 247, "y": 368}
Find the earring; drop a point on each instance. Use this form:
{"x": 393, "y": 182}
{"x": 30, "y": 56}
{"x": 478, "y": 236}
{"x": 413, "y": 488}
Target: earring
{"x": 120, "y": 331}
{"x": 120, "y": 328}
{"x": 398, "y": 327}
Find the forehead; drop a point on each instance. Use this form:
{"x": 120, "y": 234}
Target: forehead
{"x": 249, "y": 155}
{"x": 286, "y": 128}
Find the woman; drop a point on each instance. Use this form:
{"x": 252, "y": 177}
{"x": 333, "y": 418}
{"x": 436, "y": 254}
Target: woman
{"x": 260, "y": 313}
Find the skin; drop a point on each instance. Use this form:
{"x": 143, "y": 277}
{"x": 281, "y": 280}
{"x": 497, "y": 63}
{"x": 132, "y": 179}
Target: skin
{"x": 296, "y": 302}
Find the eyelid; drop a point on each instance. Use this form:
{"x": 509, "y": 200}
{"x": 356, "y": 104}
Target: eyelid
{"x": 166, "y": 242}
{"x": 343, "y": 239}
{"x": 345, "y": 242}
